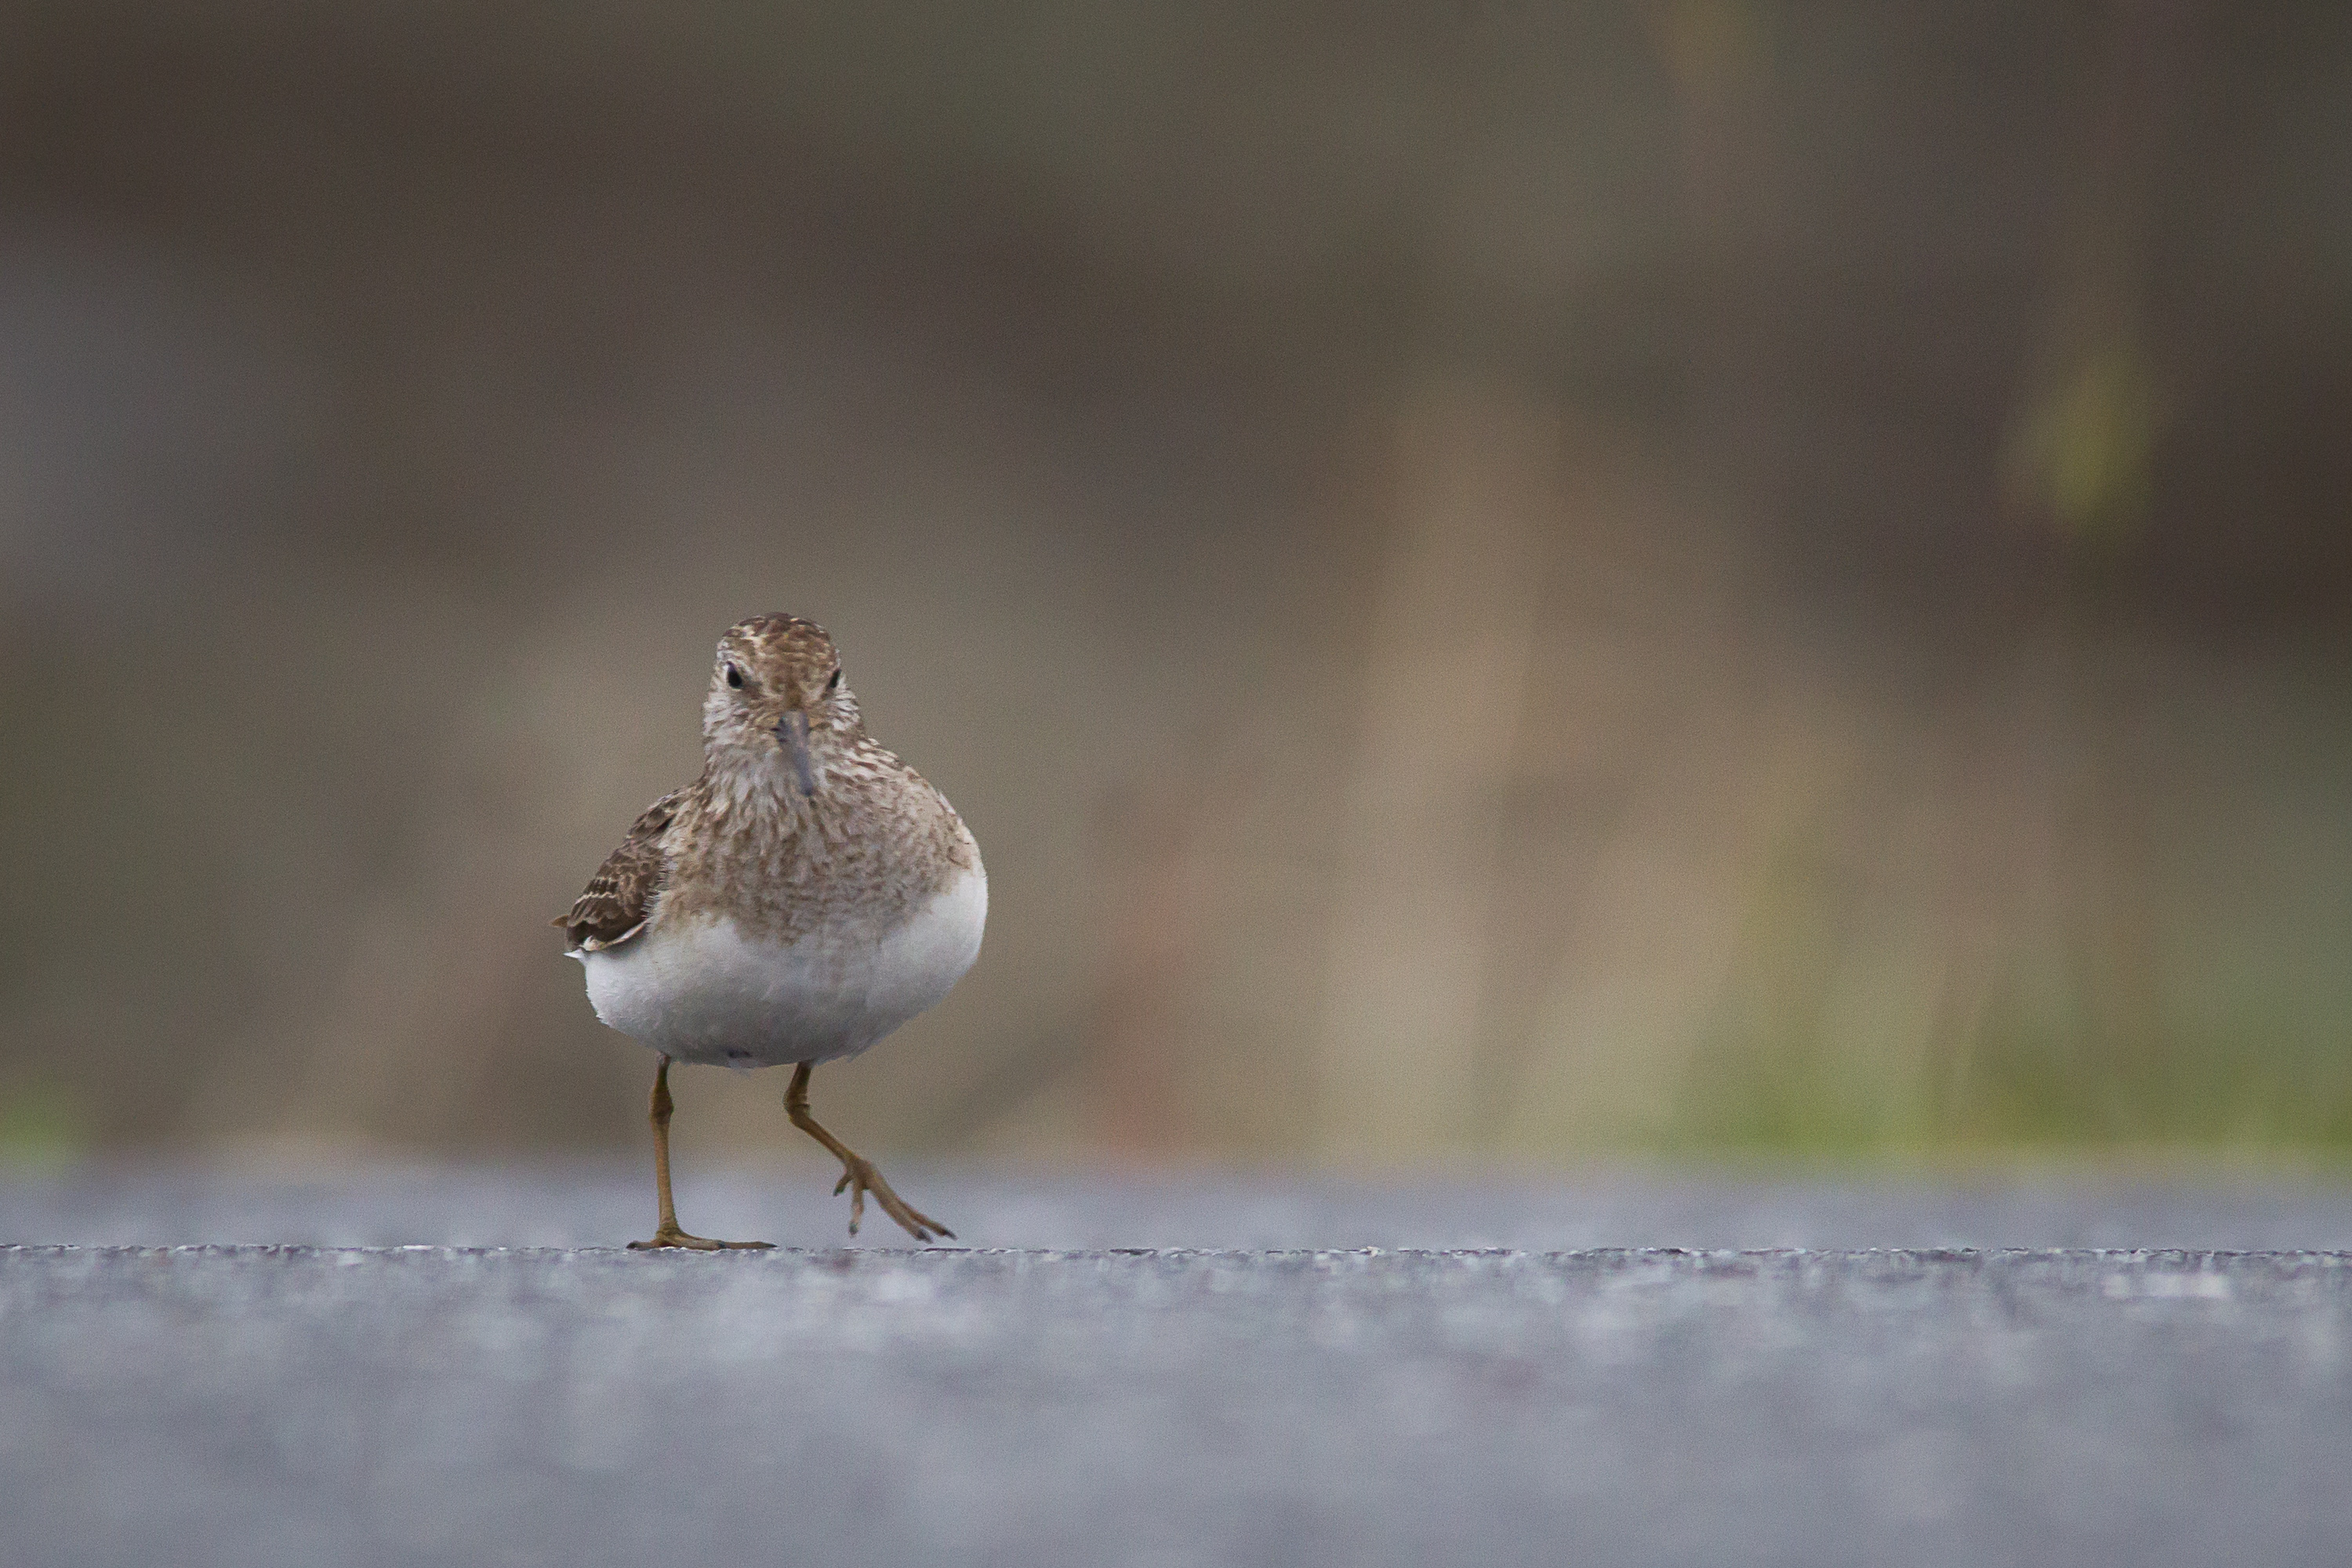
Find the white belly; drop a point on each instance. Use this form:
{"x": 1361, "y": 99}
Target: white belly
{"x": 701, "y": 990}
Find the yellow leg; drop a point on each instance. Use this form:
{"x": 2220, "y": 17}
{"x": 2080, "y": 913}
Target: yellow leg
{"x": 858, "y": 1173}
{"x": 669, "y": 1235}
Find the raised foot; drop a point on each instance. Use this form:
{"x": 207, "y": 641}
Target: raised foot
{"x": 858, "y": 1177}
{"x": 670, "y": 1236}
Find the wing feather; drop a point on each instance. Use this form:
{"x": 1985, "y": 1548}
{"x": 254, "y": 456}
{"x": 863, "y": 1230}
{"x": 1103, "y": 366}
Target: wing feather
{"x": 613, "y": 908}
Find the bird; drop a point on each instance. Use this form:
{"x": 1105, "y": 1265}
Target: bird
{"x": 803, "y": 897}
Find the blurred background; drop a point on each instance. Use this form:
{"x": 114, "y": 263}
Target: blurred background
{"x": 1495, "y": 579}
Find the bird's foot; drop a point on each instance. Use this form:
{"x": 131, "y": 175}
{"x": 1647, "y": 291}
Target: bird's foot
{"x": 670, "y": 1236}
{"x": 859, "y": 1177}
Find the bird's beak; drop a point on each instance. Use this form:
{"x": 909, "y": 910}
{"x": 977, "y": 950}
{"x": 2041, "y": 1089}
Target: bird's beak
{"x": 792, "y": 734}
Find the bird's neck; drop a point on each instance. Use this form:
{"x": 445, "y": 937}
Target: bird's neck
{"x": 750, "y": 790}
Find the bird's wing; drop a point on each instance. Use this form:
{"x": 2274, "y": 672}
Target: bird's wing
{"x": 613, "y": 908}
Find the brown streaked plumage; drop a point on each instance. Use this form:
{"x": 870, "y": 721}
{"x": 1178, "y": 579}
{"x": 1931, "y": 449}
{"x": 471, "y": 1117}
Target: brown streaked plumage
{"x": 803, "y": 897}
{"x": 613, "y": 908}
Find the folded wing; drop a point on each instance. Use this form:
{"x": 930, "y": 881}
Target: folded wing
{"x": 613, "y": 908}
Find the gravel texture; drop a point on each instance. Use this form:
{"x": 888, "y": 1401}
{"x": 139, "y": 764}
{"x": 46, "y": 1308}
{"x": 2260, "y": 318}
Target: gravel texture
{"x": 1550, "y": 1400}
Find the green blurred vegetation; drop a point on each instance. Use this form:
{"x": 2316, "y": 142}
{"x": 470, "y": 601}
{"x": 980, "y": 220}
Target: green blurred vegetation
{"x": 2210, "y": 1016}
{"x": 41, "y": 1124}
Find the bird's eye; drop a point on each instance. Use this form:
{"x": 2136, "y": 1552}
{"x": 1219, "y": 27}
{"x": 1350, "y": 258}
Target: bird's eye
{"x": 734, "y": 678}
{"x": 835, "y": 684}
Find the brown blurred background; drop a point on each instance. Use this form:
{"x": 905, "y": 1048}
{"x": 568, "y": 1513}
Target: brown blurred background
{"x": 1492, "y": 577}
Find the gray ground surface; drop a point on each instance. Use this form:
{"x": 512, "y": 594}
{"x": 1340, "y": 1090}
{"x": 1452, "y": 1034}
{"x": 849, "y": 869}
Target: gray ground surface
{"x": 1573, "y": 1395}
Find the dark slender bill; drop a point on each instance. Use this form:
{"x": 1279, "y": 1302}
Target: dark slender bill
{"x": 792, "y": 734}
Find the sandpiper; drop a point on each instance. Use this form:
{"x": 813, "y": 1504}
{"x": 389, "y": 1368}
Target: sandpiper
{"x": 805, "y": 896}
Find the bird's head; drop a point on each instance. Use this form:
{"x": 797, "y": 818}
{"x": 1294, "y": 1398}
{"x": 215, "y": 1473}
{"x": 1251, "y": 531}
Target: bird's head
{"x": 777, "y": 694}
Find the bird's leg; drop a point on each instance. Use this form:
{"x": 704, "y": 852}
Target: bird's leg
{"x": 668, "y": 1234}
{"x": 857, "y": 1173}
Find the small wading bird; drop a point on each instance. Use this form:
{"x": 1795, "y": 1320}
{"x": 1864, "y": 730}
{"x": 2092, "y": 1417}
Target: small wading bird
{"x": 805, "y": 896}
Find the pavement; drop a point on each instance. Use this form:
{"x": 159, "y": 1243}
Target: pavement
{"x": 459, "y": 1366}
